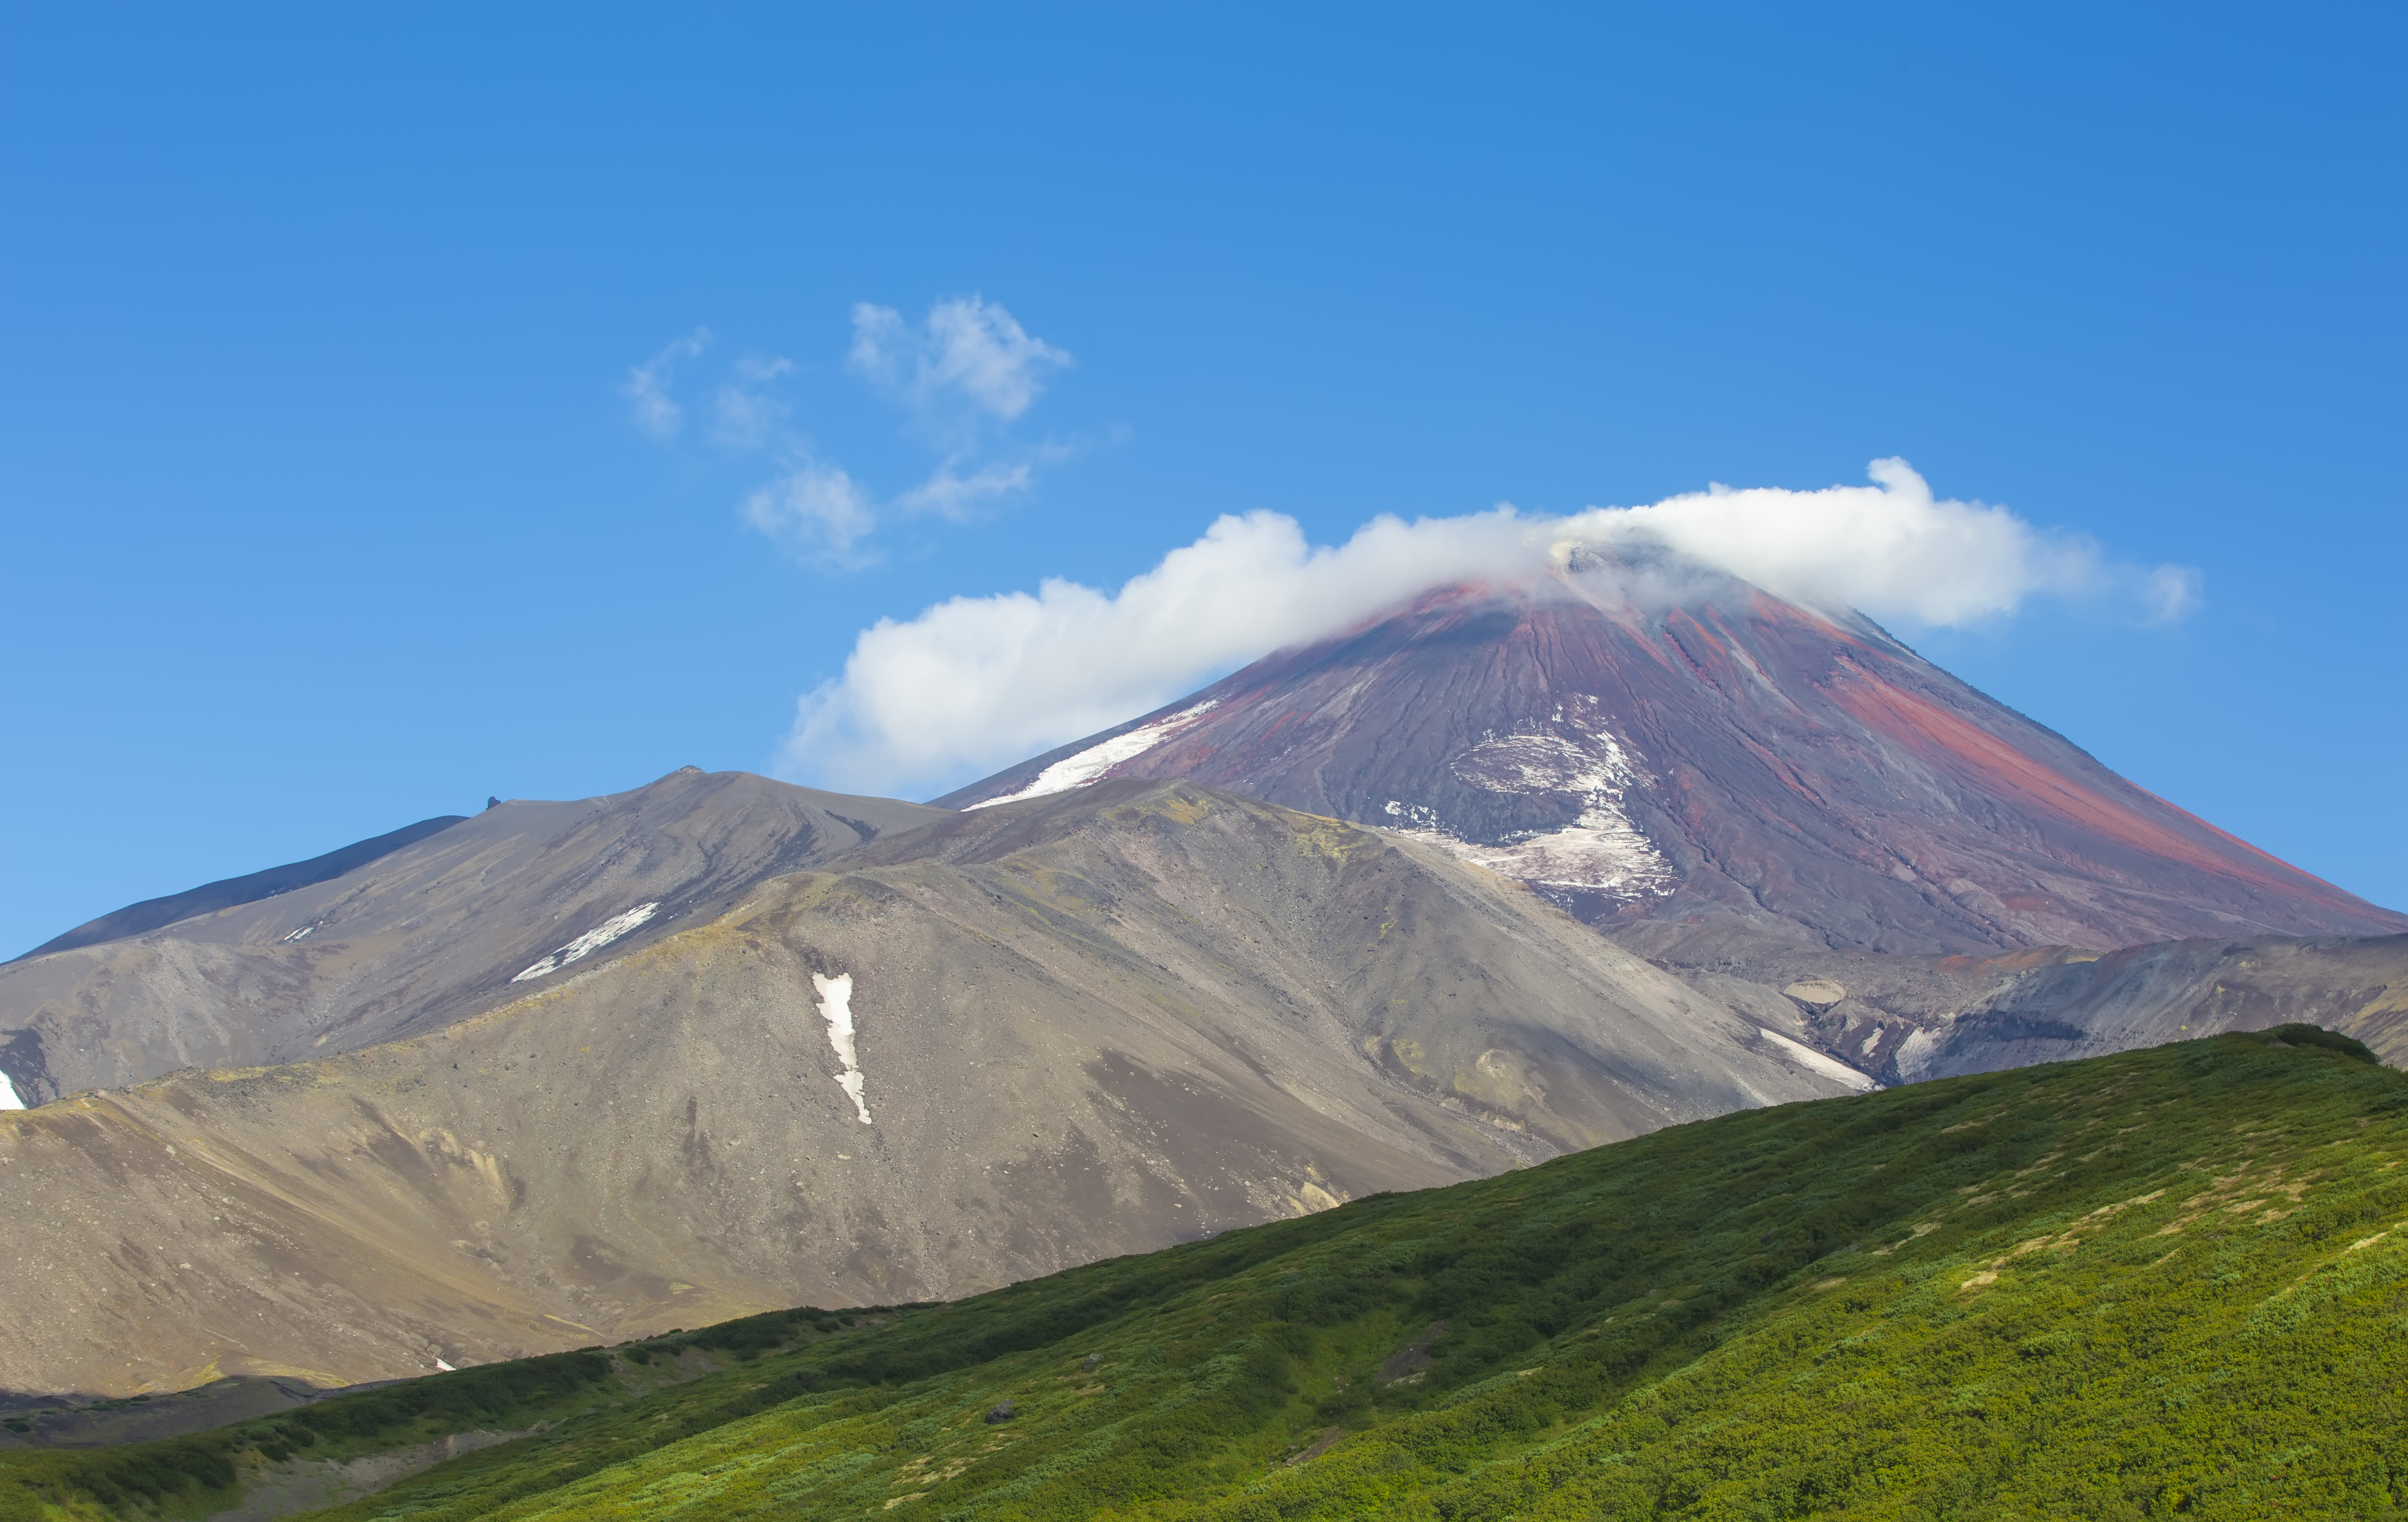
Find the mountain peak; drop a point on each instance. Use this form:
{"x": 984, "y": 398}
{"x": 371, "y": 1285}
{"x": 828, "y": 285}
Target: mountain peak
{"x": 1725, "y": 761}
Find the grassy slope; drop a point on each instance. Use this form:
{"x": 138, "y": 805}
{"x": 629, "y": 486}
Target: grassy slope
{"x": 2161, "y": 1280}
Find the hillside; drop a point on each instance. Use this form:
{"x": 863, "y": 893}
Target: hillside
{"x": 1073, "y": 1028}
{"x": 2164, "y": 1281}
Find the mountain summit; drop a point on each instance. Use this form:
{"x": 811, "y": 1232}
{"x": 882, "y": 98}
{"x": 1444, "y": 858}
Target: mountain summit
{"x": 1733, "y": 764}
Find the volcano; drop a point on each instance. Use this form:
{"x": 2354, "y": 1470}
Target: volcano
{"x": 584, "y": 1071}
{"x": 1734, "y": 767}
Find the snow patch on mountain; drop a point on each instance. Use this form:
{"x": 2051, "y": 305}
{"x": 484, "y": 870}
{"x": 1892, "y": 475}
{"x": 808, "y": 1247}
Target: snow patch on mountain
{"x": 1092, "y": 764}
{"x": 591, "y": 942}
{"x": 1615, "y": 859}
{"x": 1602, "y": 851}
{"x": 9, "y": 1099}
{"x": 835, "y": 1008}
{"x": 1813, "y": 1061}
{"x": 1917, "y": 1055}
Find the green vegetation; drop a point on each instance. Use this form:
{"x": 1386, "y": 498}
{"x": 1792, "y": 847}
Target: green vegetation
{"x": 198, "y": 1475}
{"x": 2164, "y": 1281}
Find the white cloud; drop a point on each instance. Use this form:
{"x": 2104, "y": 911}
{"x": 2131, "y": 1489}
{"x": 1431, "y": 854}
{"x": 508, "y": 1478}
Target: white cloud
{"x": 967, "y": 363}
{"x": 973, "y": 684}
{"x": 746, "y": 414}
{"x": 646, "y": 388}
{"x": 949, "y": 493}
{"x": 818, "y": 512}
{"x": 965, "y": 373}
{"x": 982, "y": 354}
{"x": 880, "y": 337}
{"x": 2171, "y": 594}
{"x": 985, "y": 681}
{"x": 1890, "y": 548}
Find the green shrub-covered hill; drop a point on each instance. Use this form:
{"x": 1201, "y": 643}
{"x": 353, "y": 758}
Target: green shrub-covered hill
{"x": 2171, "y": 1282}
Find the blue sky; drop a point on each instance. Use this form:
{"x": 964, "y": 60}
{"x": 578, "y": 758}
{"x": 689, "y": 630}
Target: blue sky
{"x": 328, "y": 508}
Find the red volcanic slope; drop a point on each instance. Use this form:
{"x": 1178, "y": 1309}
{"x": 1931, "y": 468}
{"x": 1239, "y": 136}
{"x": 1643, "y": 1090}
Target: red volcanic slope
{"x": 1738, "y": 763}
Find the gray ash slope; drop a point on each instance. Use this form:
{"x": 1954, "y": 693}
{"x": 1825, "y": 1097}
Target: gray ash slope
{"x": 414, "y": 938}
{"x": 153, "y": 913}
{"x": 1083, "y": 1026}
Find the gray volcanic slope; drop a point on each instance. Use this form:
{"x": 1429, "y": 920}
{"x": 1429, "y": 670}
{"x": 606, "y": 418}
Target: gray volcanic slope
{"x": 2079, "y": 1006}
{"x": 1904, "y": 1018}
{"x": 151, "y": 914}
{"x": 415, "y": 938}
{"x": 1078, "y": 1026}
{"x": 1736, "y": 766}
{"x": 1760, "y": 795}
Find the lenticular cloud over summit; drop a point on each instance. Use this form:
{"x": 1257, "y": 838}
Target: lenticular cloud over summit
{"x": 974, "y": 682}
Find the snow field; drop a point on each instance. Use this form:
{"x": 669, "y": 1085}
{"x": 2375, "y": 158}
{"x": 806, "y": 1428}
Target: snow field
{"x": 592, "y": 940}
{"x": 835, "y": 1008}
